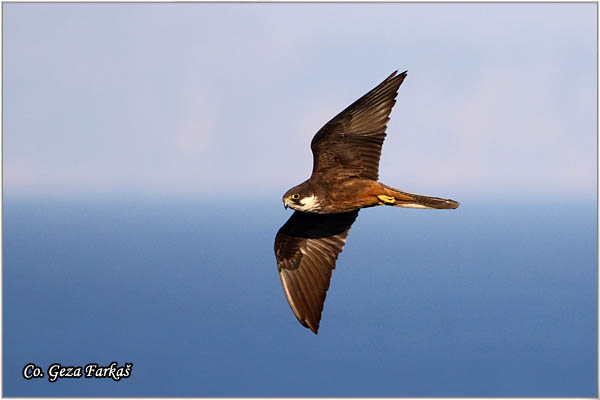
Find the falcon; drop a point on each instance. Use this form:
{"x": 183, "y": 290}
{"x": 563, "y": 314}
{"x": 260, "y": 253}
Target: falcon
{"x": 346, "y": 152}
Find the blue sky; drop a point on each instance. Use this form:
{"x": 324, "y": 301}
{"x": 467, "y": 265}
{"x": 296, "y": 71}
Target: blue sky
{"x": 200, "y": 99}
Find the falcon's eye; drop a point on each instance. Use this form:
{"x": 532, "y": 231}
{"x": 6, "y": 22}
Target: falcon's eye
{"x": 295, "y": 196}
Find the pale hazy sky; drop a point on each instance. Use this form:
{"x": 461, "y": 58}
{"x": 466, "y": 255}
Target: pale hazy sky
{"x": 191, "y": 99}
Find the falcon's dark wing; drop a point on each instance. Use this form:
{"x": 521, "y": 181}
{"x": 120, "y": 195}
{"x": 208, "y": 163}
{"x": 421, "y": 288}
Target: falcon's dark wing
{"x": 306, "y": 248}
{"x": 350, "y": 144}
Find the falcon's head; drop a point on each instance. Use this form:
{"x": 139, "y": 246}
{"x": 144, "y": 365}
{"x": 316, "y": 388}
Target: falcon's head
{"x": 301, "y": 198}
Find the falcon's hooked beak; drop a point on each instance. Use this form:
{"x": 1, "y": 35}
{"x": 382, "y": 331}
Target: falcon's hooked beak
{"x": 286, "y": 202}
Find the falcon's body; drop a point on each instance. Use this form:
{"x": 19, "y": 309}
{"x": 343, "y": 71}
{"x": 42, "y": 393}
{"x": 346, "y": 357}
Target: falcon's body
{"x": 346, "y": 154}
{"x": 352, "y": 194}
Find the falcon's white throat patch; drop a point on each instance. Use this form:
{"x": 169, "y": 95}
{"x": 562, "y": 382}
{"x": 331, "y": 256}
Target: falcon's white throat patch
{"x": 309, "y": 204}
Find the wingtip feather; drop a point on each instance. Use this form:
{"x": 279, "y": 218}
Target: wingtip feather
{"x": 393, "y": 74}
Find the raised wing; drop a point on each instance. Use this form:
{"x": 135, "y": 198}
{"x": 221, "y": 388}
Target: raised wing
{"x": 350, "y": 144}
{"x": 306, "y": 249}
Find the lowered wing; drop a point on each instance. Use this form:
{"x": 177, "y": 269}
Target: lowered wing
{"x": 306, "y": 248}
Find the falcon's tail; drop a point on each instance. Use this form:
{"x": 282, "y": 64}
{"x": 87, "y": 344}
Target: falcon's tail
{"x": 398, "y": 198}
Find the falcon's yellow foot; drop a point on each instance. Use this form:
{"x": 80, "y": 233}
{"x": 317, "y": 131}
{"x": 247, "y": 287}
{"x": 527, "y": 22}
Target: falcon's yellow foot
{"x": 386, "y": 199}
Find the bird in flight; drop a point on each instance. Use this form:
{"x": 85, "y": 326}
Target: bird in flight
{"x": 344, "y": 179}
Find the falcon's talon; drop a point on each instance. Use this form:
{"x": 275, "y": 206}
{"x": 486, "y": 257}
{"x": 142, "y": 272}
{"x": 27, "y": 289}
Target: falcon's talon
{"x": 387, "y": 199}
{"x": 345, "y": 175}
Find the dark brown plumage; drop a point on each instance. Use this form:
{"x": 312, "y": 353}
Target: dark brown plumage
{"x": 306, "y": 248}
{"x": 350, "y": 144}
{"x": 346, "y": 153}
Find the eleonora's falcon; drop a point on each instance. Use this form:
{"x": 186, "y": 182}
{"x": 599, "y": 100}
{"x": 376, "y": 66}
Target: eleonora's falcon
{"x": 346, "y": 155}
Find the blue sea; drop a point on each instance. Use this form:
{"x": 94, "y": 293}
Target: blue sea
{"x": 492, "y": 299}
